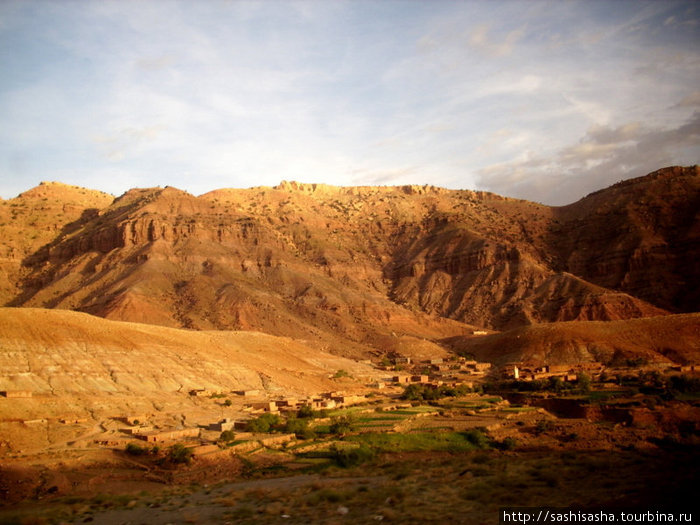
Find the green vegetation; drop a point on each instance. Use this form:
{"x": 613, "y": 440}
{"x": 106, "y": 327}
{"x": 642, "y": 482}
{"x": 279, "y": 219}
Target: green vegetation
{"x": 227, "y": 436}
{"x": 136, "y": 450}
{"x": 417, "y": 392}
{"x": 423, "y": 441}
{"x": 300, "y": 427}
{"x": 341, "y": 373}
{"x": 264, "y": 423}
{"x": 351, "y": 457}
{"x": 179, "y": 454}
{"x": 305, "y": 411}
{"x": 550, "y": 384}
{"x": 341, "y": 425}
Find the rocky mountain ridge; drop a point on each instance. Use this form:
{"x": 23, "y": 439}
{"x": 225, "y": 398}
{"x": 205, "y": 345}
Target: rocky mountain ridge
{"x": 351, "y": 269}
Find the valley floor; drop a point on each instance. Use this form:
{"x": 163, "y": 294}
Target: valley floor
{"x": 453, "y": 460}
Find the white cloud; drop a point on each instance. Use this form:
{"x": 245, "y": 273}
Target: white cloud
{"x": 200, "y": 94}
{"x": 603, "y": 156}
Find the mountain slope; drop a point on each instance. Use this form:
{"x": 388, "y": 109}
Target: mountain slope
{"x": 648, "y": 233}
{"x": 37, "y": 217}
{"x": 348, "y": 269}
{"x": 60, "y": 352}
{"x": 667, "y": 339}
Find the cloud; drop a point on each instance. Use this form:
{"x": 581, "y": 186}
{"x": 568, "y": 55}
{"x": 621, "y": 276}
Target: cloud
{"x": 482, "y": 39}
{"x": 692, "y": 100}
{"x": 205, "y": 94}
{"x": 604, "y": 155}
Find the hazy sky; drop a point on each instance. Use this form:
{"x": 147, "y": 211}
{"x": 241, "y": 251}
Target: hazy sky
{"x": 539, "y": 100}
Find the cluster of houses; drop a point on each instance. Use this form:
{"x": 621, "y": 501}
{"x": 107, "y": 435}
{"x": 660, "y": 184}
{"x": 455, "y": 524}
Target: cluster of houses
{"x": 439, "y": 371}
{"x": 533, "y": 372}
{"x": 326, "y": 401}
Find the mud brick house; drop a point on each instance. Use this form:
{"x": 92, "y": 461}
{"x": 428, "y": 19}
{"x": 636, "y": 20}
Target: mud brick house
{"x": 169, "y": 435}
{"x": 16, "y": 393}
{"x": 223, "y": 425}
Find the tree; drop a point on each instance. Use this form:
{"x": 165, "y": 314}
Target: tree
{"x": 556, "y": 383}
{"x": 300, "y": 427}
{"x": 305, "y": 411}
{"x": 179, "y": 454}
{"x": 584, "y": 382}
{"x": 264, "y": 423}
{"x": 227, "y": 436}
{"x": 342, "y": 424}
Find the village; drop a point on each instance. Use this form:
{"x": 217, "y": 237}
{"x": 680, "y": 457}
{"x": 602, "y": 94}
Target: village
{"x": 455, "y": 405}
{"x": 236, "y": 409}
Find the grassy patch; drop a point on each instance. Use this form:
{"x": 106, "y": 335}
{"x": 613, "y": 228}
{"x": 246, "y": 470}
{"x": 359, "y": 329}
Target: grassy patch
{"x": 418, "y": 441}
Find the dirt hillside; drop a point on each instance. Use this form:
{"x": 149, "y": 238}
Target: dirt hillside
{"x": 61, "y": 352}
{"x": 668, "y": 339}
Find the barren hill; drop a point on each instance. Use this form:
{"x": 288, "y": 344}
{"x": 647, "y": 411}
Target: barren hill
{"x": 37, "y": 217}
{"x": 60, "y": 352}
{"x": 359, "y": 268}
{"x": 667, "y": 339}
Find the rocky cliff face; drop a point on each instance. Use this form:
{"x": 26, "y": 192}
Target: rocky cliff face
{"x": 648, "y": 231}
{"x": 346, "y": 268}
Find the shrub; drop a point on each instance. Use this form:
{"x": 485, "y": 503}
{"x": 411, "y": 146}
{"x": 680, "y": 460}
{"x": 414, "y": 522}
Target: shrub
{"x": 341, "y": 373}
{"x": 227, "y": 436}
{"x": 543, "y": 425}
{"x": 508, "y": 443}
{"x": 342, "y": 424}
{"x": 477, "y": 438}
{"x": 179, "y": 454}
{"x": 264, "y": 423}
{"x": 135, "y": 450}
{"x": 351, "y": 457}
{"x": 300, "y": 427}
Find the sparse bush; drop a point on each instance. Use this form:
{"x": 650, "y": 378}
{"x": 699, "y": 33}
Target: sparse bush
{"x": 477, "y": 438}
{"x": 342, "y": 424}
{"x": 351, "y": 457}
{"x": 135, "y": 450}
{"x": 543, "y": 425}
{"x": 227, "y": 436}
{"x": 508, "y": 443}
{"x": 179, "y": 454}
{"x": 341, "y": 373}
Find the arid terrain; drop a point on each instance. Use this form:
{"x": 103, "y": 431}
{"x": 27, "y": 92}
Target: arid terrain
{"x": 320, "y": 354}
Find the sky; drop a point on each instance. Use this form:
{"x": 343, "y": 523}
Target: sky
{"x": 545, "y": 101}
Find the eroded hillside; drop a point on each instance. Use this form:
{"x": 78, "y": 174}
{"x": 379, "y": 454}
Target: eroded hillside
{"x": 671, "y": 339}
{"x": 349, "y": 269}
{"x": 59, "y": 352}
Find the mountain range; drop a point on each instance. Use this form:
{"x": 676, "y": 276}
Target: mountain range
{"x": 357, "y": 271}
